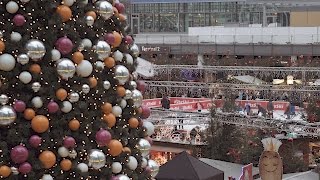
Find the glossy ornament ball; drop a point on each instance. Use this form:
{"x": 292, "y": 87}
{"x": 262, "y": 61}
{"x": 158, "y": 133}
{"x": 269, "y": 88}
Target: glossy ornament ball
{"x": 144, "y": 146}
{"x": 66, "y": 69}
{"x": 4, "y": 99}
{"x": 74, "y": 97}
{"x": 137, "y": 98}
{"x": 97, "y": 159}
{"x": 40, "y": 124}
{"x": 47, "y": 159}
{"x": 36, "y": 86}
{"x": 19, "y": 154}
{"x": 85, "y": 88}
{"x": 7, "y": 115}
{"x": 104, "y": 9}
{"x": 102, "y": 49}
{"x": 35, "y": 49}
{"x": 135, "y": 50}
{"x": 118, "y": 56}
{"x": 154, "y": 168}
{"x": 121, "y": 73}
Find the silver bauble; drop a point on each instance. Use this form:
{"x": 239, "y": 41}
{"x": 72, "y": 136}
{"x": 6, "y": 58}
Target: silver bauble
{"x": 105, "y": 9}
{"x": 35, "y": 49}
{"x": 128, "y": 94}
{"x": 73, "y": 154}
{"x": 85, "y": 88}
{"x": 1, "y": 35}
{"x": 7, "y": 115}
{"x": 122, "y": 177}
{"x": 14, "y": 170}
{"x": 36, "y": 86}
{"x": 154, "y": 168}
{"x": 4, "y": 99}
{"x": 135, "y": 50}
{"x": 97, "y": 159}
{"x": 135, "y": 75}
{"x": 74, "y": 97}
{"x": 103, "y": 49}
{"x": 106, "y": 85}
{"x": 66, "y": 68}
{"x": 133, "y": 84}
{"x": 144, "y": 147}
{"x": 89, "y": 20}
{"x": 121, "y": 73}
{"x": 23, "y": 59}
{"x": 99, "y": 66}
{"x": 137, "y": 98}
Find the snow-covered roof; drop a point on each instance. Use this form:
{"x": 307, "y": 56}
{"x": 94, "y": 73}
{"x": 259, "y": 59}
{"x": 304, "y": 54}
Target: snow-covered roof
{"x": 145, "y": 68}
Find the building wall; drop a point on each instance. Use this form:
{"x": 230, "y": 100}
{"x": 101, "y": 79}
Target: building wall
{"x": 305, "y": 18}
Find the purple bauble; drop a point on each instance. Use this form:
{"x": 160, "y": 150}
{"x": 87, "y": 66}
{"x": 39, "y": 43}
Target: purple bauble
{"x": 19, "y": 20}
{"x": 141, "y": 86}
{"x": 114, "y": 178}
{"x": 69, "y": 142}
{"x": 19, "y": 106}
{"x": 19, "y": 154}
{"x": 128, "y": 40}
{"x": 103, "y": 137}
{"x": 53, "y": 107}
{"x": 25, "y": 168}
{"x": 120, "y": 7}
{"x": 35, "y": 141}
{"x": 64, "y": 45}
{"x": 109, "y": 38}
{"x": 145, "y": 112}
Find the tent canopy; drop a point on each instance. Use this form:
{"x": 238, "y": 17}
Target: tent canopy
{"x": 249, "y": 79}
{"x": 186, "y": 167}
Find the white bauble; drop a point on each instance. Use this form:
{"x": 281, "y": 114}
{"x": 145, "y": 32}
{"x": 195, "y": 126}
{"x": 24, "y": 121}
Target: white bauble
{"x": 15, "y": 36}
{"x": 116, "y": 167}
{"x": 129, "y": 59}
{"x": 68, "y": 2}
{"x": 7, "y": 62}
{"x": 144, "y": 163}
{"x": 66, "y": 106}
{"x": 55, "y": 55}
{"x": 118, "y": 56}
{"x": 149, "y": 126}
{"x": 83, "y": 167}
{"x": 37, "y": 102}
{"x": 86, "y": 43}
{"x": 25, "y": 77}
{"x": 47, "y": 177}
{"x": 117, "y": 111}
{"x": 123, "y": 103}
{"x": 63, "y": 151}
{"x": 12, "y": 7}
{"x": 132, "y": 163}
{"x": 84, "y": 69}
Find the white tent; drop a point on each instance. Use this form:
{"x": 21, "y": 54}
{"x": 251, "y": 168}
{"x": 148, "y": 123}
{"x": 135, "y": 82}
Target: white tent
{"x": 249, "y": 79}
{"x": 145, "y": 68}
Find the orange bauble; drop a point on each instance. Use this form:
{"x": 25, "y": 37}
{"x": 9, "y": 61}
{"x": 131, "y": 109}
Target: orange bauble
{"x": 2, "y": 46}
{"x": 127, "y": 150}
{"x": 115, "y": 11}
{"x": 61, "y": 94}
{"x": 77, "y": 57}
{"x": 106, "y": 108}
{"x": 121, "y": 91}
{"x": 74, "y": 125}
{"x": 115, "y": 147}
{"x": 117, "y": 39}
{"x": 122, "y": 17}
{"x": 93, "y": 82}
{"x": 40, "y": 124}
{"x": 35, "y": 68}
{"x": 92, "y": 14}
{"x": 110, "y": 119}
{"x": 64, "y": 12}
{"x": 5, "y": 171}
{"x": 66, "y": 164}
{"x": 29, "y": 114}
{"x": 48, "y": 159}
{"x": 109, "y": 62}
{"x": 133, "y": 122}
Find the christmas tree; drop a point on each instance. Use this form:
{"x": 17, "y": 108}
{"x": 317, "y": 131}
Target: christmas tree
{"x": 70, "y": 104}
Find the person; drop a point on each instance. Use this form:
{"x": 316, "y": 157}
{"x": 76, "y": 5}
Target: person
{"x": 247, "y": 109}
{"x": 180, "y": 124}
{"x": 165, "y": 102}
{"x": 270, "y": 109}
{"x": 199, "y": 107}
{"x": 262, "y": 111}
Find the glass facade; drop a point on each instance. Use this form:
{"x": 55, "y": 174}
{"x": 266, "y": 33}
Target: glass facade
{"x": 177, "y": 17}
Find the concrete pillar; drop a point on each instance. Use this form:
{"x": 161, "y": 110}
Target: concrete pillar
{"x": 264, "y": 16}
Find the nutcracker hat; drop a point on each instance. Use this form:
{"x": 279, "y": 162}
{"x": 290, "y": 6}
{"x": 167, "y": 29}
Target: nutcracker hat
{"x": 271, "y": 144}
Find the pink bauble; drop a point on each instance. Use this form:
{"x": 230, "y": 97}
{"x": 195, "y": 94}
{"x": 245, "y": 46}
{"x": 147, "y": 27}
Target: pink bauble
{"x": 141, "y": 86}
{"x": 103, "y": 137}
{"x": 19, "y": 20}
{"x": 19, "y": 154}
{"x": 145, "y": 112}
{"x": 128, "y": 40}
{"x": 64, "y": 45}
{"x": 69, "y": 142}
{"x": 53, "y": 107}
{"x": 35, "y": 141}
{"x": 114, "y": 178}
{"x": 25, "y": 168}
{"x": 19, "y": 106}
{"x": 109, "y": 38}
{"x": 120, "y": 7}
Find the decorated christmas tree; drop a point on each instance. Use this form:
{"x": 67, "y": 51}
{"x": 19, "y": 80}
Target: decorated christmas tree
{"x": 71, "y": 107}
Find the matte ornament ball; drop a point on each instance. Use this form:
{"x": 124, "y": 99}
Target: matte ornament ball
{"x": 109, "y": 38}
{"x": 53, "y": 107}
{"x": 104, "y": 9}
{"x": 35, "y": 49}
{"x": 121, "y": 73}
{"x": 122, "y": 177}
{"x": 64, "y": 12}
{"x": 25, "y": 168}
{"x": 128, "y": 40}
{"x": 66, "y": 68}
{"x": 97, "y": 159}
{"x": 116, "y": 167}
{"x": 19, "y": 20}
{"x": 25, "y": 77}
{"x": 103, "y": 137}
{"x": 7, "y": 62}
{"x": 64, "y": 45}
{"x": 12, "y": 7}
{"x": 84, "y": 69}
{"x": 5, "y": 171}
{"x": 145, "y": 112}
{"x": 132, "y": 163}
{"x": 69, "y": 142}
{"x": 35, "y": 141}
{"x": 83, "y": 167}
{"x": 19, "y": 106}
{"x": 47, "y": 177}
{"x": 47, "y": 159}
{"x": 7, "y": 115}
{"x": 66, "y": 107}
{"x": 63, "y": 151}
{"x": 19, "y": 154}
